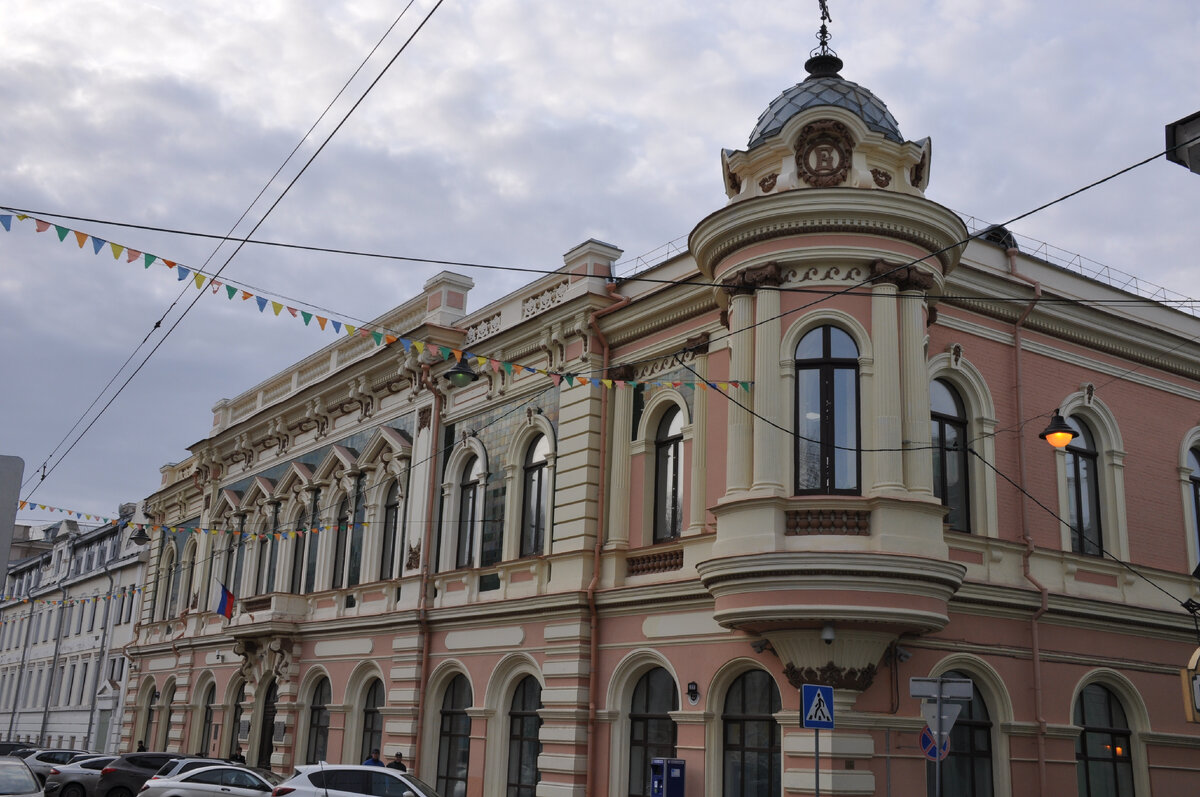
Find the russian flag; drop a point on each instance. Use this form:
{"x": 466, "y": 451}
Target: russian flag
{"x": 224, "y": 602}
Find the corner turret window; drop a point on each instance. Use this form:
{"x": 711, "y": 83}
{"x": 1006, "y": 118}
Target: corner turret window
{"x": 827, "y": 454}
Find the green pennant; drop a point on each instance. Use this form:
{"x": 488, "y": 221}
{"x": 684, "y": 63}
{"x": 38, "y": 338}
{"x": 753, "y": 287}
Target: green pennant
{"x": 149, "y": 258}
{"x": 746, "y": 386}
{"x": 62, "y": 232}
{"x": 570, "y": 380}
{"x": 378, "y": 338}
{"x": 232, "y": 291}
{"x": 446, "y": 353}
{"x": 307, "y": 317}
{"x": 508, "y": 368}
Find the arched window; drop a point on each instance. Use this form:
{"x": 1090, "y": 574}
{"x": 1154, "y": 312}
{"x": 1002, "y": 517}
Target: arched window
{"x": 751, "y": 737}
{"x": 668, "y": 476}
{"x": 318, "y": 722}
{"x": 967, "y": 769}
{"x": 268, "y": 553}
{"x": 165, "y": 603}
{"x": 524, "y": 745}
{"x": 339, "y": 542}
{"x": 168, "y": 697}
{"x": 827, "y": 458}
{"x": 391, "y": 529}
{"x": 266, "y": 728}
{"x": 312, "y": 547}
{"x": 468, "y": 512}
{"x": 354, "y": 555}
{"x": 533, "y": 505}
{"x": 235, "y": 718}
{"x": 299, "y": 536}
{"x": 949, "y": 434}
{"x": 206, "y": 725}
{"x": 235, "y": 554}
{"x": 1194, "y": 463}
{"x": 1103, "y": 765}
{"x": 187, "y": 574}
{"x": 454, "y": 738}
{"x": 372, "y": 720}
{"x": 651, "y": 729}
{"x": 1083, "y": 491}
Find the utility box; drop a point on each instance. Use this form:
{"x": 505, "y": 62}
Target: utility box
{"x": 666, "y": 777}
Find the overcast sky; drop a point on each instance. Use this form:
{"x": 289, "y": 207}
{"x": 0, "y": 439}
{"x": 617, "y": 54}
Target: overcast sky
{"x": 507, "y": 133}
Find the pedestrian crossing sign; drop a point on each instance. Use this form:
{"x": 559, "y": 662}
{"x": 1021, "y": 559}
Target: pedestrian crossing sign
{"x": 817, "y": 706}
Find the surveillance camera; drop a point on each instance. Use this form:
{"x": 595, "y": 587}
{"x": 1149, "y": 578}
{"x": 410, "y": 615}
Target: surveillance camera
{"x": 827, "y": 634}
{"x": 903, "y": 654}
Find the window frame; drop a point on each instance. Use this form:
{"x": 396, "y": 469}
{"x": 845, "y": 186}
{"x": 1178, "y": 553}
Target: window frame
{"x": 669, "y": 473}
{"x": 534, "y": 496}
{"x": 1083, "y": 758}
{"x": 316, "y": 743}
{"x": 454, "y": 735}
{"x": 940, "y": 421}
{"x": 1081, "y": 453}
{"x": 730, "y": 720}
{"x": 520, "y": 741}
{"x": 827, "y": 368}
{"x": 639, "y": 740}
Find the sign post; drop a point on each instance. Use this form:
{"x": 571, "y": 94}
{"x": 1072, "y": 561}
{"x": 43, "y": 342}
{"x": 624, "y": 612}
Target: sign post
{"x": 816, "y": 712}
{"x": 938, "y": 715}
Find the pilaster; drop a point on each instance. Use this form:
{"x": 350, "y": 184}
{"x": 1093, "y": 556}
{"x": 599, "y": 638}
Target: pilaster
{"x": 739, "y": 460}
{"x": 889, "y": 467}
{"x": 918, "y": 463}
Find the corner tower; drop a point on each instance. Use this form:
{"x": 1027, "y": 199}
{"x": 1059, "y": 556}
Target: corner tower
{"x": 830, "y": 261}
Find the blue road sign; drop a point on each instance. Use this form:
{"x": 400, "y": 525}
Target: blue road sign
{"x": 817, "y": 706}
{"x": 929, "y": 747}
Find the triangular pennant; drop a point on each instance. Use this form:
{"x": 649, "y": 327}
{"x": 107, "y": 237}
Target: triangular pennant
{"x": 555, "y": 378}
{"x": 321, "y": 322}
{"x": 277, "y": 307}
{"x": 378, "y": 336}
{"x": 508, "y": 368}
{"x": 458, "y": 355}
{"x": 337, "y": 325}
{"x": 6, "y": 221}
{"x": 199, "y": 279}
{"x": 608, "y": 383}
{"x": 62, "y": 232}
{"x": 132, "y": 255}
{"x": 570, "y": 380}
{"x": 293, "y": 311}
{"x": 419, "y": 346}
{"x": 495, "y": 365}
{"x": 389, "y": 339}
{"x": 247, "y": 295}
{"x": 216, "y": 285}
{"x": 81, "y": 238}
{"x": 481, "y": 361}
{"x": 746, "y": 386}
{"x": 349, "y": 331}
{"x": 42, "y": 226}
{"x": 148, "y": 260}
{"x": 183, "y": 273}
{"x": 169, "y": 263}
{"x": 723, "y": 385}
{"x": 306, "y": 316}
{"x": 117, "y": 249}
{"x": 98, "y": 244}
{"x": 262, "y": 303}
{"x": 232, "y": 291}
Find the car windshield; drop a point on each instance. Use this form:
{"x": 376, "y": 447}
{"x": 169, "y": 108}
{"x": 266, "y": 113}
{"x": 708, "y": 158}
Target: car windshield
{"x": 17, "y": 780}
{"x": 269, "y": 776}
{"x": 428, "y": 790}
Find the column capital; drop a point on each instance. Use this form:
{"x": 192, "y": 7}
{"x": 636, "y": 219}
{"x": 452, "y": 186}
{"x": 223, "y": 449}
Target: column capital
{"x": 906, "y": 278}
{"x": 750, "y": 279}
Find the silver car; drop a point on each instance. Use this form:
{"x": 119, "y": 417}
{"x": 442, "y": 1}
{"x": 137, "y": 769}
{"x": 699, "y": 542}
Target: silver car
{"x": 77, "y": 778}
{"x": 42, "y": 761}
{"x": 225, "y": 780}
{"x": 17, "y": 780}
{"x": 348, "y": 780}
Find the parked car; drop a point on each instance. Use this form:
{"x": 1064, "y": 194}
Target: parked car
{"x": 344, "y": 780}
{"x": 8, "y": 748}
{"x": 17, "y": 779}
{"x": 76, "y": 778}
{"x": 42, "y": 761}
{"x": 125, "y": 774}
{"x": 181, "y": 765}
{"x": 213, "y": 781}
{"x": 24, "y": 751}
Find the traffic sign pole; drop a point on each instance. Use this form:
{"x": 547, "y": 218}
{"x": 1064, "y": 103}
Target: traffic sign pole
{"x": 817, "y": 757}
{"x": 937, "y": 761}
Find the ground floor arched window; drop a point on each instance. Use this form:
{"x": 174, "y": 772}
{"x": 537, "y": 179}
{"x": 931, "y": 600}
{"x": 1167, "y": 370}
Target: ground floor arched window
{"x": 1103, "y": 763}
{"x": 318, "y": 722}
{"x": 752, "y": 765}
{"x": 651, "y": 729}
{"x": 454, "y": 739}
{"x": 372, "y": 720}
{"x": 967, "y": 769}
{"x": 524, "y": 744}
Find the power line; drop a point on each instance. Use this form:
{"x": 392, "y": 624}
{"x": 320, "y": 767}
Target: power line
{"x": 260, "y": 222}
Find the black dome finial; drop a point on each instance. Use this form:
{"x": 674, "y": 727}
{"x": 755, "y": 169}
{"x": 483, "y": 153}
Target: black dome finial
{"x": 823, "y": 61}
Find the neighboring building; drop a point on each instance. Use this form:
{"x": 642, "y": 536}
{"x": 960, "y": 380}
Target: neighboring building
{"x": 540, "y": 580}
{"x": 68, "y": 612}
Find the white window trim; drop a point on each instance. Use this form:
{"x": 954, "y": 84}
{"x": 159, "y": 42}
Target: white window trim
{"x": 1135, "y": 713}
{"x": 1111, "y": 466}
{"x": 645, "y": 446}
{"x": 451, "y": 490}
{"x": 501, "y": 687}
{"x": 514, "y": 477}
{"x": 981, "y": 427}
{"x": 1191, "y": 533}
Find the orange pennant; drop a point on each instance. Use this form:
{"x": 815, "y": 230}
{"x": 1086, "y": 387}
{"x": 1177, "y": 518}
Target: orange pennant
{"x": 81, "y": 237}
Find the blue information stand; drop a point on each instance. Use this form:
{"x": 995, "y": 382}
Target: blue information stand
{"x": 666, "y": 777}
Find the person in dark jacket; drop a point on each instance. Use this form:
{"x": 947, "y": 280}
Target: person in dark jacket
{"x": 374, "y": 760}
{"x": 398, "y": 763}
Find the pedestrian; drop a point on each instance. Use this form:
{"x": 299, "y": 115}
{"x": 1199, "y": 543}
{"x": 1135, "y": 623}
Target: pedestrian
{"x": 141, "y": 746}
{"x": 374, "y": 760}
{"x": 398, "y": 763}
{"x": 236, "y": 756}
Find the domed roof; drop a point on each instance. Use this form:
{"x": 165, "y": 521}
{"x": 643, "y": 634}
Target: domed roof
{"x": 826, "y": 89}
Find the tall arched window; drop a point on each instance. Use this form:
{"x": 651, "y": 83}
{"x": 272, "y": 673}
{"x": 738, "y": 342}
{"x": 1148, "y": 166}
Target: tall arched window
{"x": 299, "y": 536}
{"x": 391, "y": 528}
{"x": 454, "y": 738}
{"x": 206, "y": 725}
{"x": 967, "y": 769}
{"x": 468, "y": 512}
{"x": 235, "y": 554}
{"x": 949, "y": 434}
{"x": 318, "y": 722}
{"x": 1103, "y": 765}
{"x": 524, "y": 745}
{"x": 751, "y": 737}
{"x": 339, "y": 542}
{"x": 372, "y": 720}
{"x": 1194, "y": 463}
{"x": 651, "y": 729}
{"x": 187, "y": 575}
{"x": 266, "y": 728}
{"x": 268, "y": 553}
{"x": 235, "y": 717}
{"x": 827, "y": 413}
{"x": 1083, "y": 490}
{"x": 168, "y": 698}
{"x": 533, "y": 504}
{"x": 668, "y": 476}
{"x": 166, "y": 603}
{"x": 354, "y": 555}
{"x": 312, "y": 544}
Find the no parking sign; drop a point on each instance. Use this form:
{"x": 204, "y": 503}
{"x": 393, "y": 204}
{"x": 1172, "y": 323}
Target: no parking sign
{"x": 929, "y": 746}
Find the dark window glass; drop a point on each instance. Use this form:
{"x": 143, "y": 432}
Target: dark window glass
{"x": 751, "y": 737}
{"x": 967, "y": 768}
{"x": 266, "y": 730}
{"x": 523, "y": 742}
{"x": 212, "y": 777}
{"x": 339, "y": 542}
{"x": 318, "y": 722}
{"x": 372, "y": 720}
{"x": 1194, "y": 464}
{"x": 299, "y": 536}
{"x": 533, "y": 506}
{"x": 668, "y": 476}
{"x": 206, "y": 726}
{"x": 268, "y": 553}
{"x": 1083, "y": 491}
{"x": 354, "y": 556}
{"x": 827, "y": 458}
{"x": 1103, "y": 765}
{"x": 391, "y": 515}
{"x": 949, "y": 433}
{"x": 312, "y": 548}
{"x": 235, "y": 719}
{"x": 651, "y": 729}
{"x": 468, "y": 508}
{"x": 454, "y": 738}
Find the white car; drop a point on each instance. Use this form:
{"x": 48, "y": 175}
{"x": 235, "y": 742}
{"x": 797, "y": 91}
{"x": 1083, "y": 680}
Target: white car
{"x": 344, "y": 780}
{"x": 225, "y": 780}
{"x": 17, "y": 780}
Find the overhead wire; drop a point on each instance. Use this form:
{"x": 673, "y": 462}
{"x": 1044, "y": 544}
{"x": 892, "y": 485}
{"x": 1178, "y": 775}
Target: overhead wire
{"x": 242, "y": 242}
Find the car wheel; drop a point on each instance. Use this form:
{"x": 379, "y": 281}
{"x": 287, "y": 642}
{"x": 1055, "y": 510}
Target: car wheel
{"x": 72, "y": 790}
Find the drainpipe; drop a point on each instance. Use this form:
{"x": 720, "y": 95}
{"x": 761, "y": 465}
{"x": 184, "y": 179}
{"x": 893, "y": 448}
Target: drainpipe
{"x": 1026, "y": 537}
{"x": 427, "y": 544}
{"x": 601, "y": 495}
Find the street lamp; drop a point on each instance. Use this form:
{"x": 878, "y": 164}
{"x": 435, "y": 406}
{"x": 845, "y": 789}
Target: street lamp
{"x": 462, "y": 374}
{"x": 1183, "y": 142}
{"x": 139, "y": 536}
{"x": 1059, "y": 433}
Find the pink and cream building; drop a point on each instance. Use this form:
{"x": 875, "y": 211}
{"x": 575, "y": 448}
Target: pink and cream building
{"x": 535, "y": 582}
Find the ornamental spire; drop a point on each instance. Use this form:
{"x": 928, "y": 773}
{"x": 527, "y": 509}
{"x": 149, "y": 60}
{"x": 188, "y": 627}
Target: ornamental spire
{"x": 823, "y": 61}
